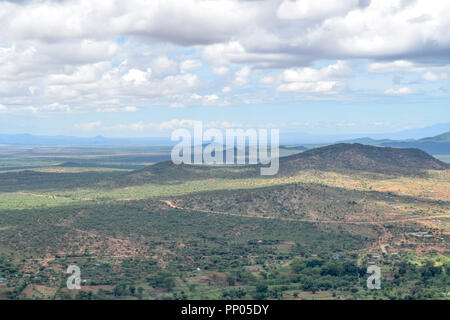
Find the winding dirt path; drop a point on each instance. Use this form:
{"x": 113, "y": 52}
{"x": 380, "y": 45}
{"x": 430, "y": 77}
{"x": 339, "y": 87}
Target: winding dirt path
{"x": 174, "y": 206}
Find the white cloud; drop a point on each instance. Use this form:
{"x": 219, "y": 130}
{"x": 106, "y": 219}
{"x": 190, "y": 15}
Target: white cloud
{"x": 57, "y": 107}
{"x": 315, "y": 87}
{"x": 241, "y": 29}
{"x": 209, "y": 100}
{"x": 234, "y": 52}
{"x": 317, "y": 9}
{"x": 181, "y": 22}
{"x": 119, "y": 85}
{"x": 130, "y": 109}
{"x": 399, "y": 91}
{"x": 42, "y": 110}
{"x": 392, "y": 66}
{"x": 69, "y": 51}
{"x": 33, "y": 59}
{"x": 384, "y": 30}
{"x": 211, "y": 97}
{"x": 430, "y": 76}
{"x": 226, "y": 89}
{"x": 241, "y": 77}
{"x": 333, "y": 71}
{"x": 88, "y": 125}
{"x": 190, "y": 64}
{"x": 432, "y": 72}
{"x": 163, "y": 66}
{"x": 220, "y": 71}
{"x": 139, "y": 126}
{"x": 108, "y": 110}
{"x": 267, "y": 80}
{"x": 328, "y": 79}
{"x": 117, "y": 109}
{"x": 82, "y": 74}
{"x": 173, "y": 124}
{"x": 176, "y": 105}
{"x": 137, "y": 76}
{"x": 27, "y": 109}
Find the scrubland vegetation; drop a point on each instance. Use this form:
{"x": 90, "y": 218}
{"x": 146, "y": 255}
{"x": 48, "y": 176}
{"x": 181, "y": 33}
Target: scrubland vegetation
{"x": 167, "y": 232}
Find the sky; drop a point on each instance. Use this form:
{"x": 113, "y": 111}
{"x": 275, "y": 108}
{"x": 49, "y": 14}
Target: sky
{"x": 140, "y": 68}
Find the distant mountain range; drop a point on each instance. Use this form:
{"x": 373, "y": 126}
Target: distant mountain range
{"x": 417, "y": 138}
{"x": 298, "y": 138}
{"x": 32, "y": 140}
{"x": 439, "y": 144}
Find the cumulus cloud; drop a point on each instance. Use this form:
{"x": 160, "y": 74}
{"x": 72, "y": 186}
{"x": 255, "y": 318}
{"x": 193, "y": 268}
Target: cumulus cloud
{"x": 241, "y": 77}
{"x": 38, "y": 110}
{"x": 234, "y": 52}
{"x": 315, "y": 87}
{"x": 430, "y": 76}
{"x": 32, "y": 59}
{"x": 163, "y": 66}
{"x": 226, "y": 89}
{"x": 430, "y": 73}
{"x": 181, "y": 22}
{"x": 102, "y": 83}
{"x": 399, "y": 91}
{"x": 328, "y": 79}
{"x": 313, "y": 10}
{"x": 190, "y": 64}
{"x": 57, "y": 107}
{"x": 117, "y": 109}
{"x": 348, "y": 28}
{"x": 176, "y": 105}
{"x": 108, "y": 55}
{"x": 81, "y": 74}
{"x": 220, "y": 71}
{"x": 392, "y": 66}
{"x": 137, "y": 77}
{"x": 208, "y": 99}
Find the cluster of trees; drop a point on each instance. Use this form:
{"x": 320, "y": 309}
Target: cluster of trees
{"x": 162, "y": 280}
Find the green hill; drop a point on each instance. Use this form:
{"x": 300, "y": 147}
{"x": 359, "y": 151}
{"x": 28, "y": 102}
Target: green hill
{"x": 338, "y": 157}
{"x": 361, "y": 157}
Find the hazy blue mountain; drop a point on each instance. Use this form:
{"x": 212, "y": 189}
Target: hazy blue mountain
{"x": 444, "y": 137}
{"x": 29, "y": 140}
{"x": 439, "y": 144}
{"x": 286, "y": 138}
